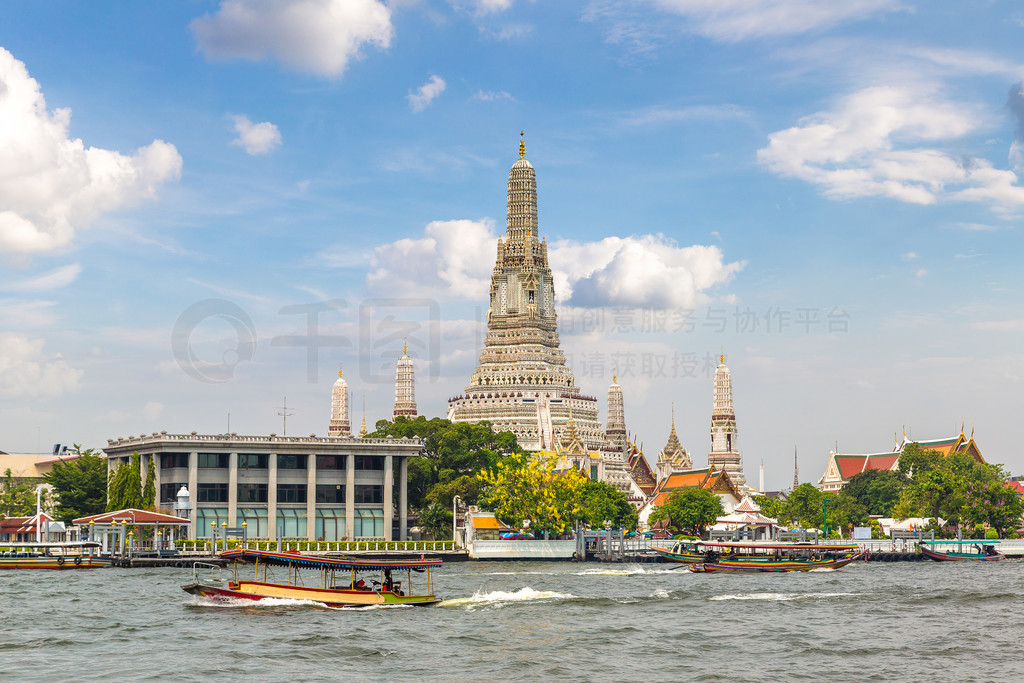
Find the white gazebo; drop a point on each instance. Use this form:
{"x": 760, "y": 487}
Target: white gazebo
{"x": 747, "y": 515}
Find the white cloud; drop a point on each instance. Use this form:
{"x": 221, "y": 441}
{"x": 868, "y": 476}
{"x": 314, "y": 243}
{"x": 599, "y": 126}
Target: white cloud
{"x": 999, "y": 325}
{"x": 454, "y": 259}
{"x": 482, "y": 6}
{"x": 881, "y": 141}
{"x": 427, "y": 93}
{"x": 735, "y": 20}
{"x": 50, "y": 184}
{"x": 152, "y": 410}
{"x": 910, "y": 256}
{"x": 654, "y": 115}
{"x": 25, "y": 371}
{"x": 492, "y": 95}
{"x": 256, "y": 138}
{"x": 642, "y": 271}
{"x": 316, "y": 36}
{"x": 27, "y": 315}
{"x": 55, "y": 279}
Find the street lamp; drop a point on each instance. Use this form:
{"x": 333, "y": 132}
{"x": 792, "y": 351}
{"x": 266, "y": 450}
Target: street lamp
{"x": 824, "y": 513}
{"x": 455, "y": 519}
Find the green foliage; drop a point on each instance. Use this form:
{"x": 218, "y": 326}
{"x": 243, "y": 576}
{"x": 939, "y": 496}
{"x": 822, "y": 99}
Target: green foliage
{"x": 604, "y": 503}
{"x": 991, "y": 533}
{"x": 877, "y": 491}
{"x": 437, "y": 519}
{"x": 804, "y": 506}
{"x": 80, "y": 485}
{"x": 454, "y": 453}
{"x": 915, "y": 461}
{"x": 149, "y": 490}
{"x": 690, "y": 510}
{"x": 520, "y": 487}
{"x": 772, "y": 507}
{"x": 125, "y": 486}
{"x": 17, "y": 499}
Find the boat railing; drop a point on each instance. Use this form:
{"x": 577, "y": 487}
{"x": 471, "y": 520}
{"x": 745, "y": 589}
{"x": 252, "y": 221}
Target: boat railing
{"x": 215, "y": 571}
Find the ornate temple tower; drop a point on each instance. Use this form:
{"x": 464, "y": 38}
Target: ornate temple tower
{"x": 615, "y": 452}
{"x": 339, "y": 425}
{"x": 673, "y": 457}
{"x": 522, "y": 384}
{"x": 405, "y": 387}
{"x": 724, "y": 450}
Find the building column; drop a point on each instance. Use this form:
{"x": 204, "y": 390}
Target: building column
{"x": 233, "y": 489}
{"x": 156, "y": 480}
{"x": 272, "y": 495}
{"x": 403, "y": 498}
{"x": 311, "y": 497}
{"x": 389, "y": 495}
{"x": 193, "y": 491}
{"x": 350, "y": 497}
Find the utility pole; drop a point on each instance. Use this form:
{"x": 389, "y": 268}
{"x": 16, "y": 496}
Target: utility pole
{"x": 284, "y": 417}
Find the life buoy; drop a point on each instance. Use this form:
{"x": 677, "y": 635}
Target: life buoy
{"x": 60, "y": 561}
{"x": 78, "y": 560}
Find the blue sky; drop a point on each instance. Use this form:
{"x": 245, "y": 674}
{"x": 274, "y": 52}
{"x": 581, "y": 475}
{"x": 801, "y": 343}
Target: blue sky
{"x": 831, "y": 193}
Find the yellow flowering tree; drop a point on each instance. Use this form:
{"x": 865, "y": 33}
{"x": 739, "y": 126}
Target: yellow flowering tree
{"x": 522, "y": 487}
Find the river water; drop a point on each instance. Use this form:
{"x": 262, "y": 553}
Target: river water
{"x": 533, "y": 621}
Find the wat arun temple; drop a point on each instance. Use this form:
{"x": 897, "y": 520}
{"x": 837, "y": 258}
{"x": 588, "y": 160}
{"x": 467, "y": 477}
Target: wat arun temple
{"x": 522, "y": 383}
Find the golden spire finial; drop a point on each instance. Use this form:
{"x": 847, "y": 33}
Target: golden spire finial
{"x": 341, "y": 373}
{"x": 721, "y": 357}
{"x": 405, "y": 347}
{"x": 522, "y": 146}
{"x": 614, "y": 377}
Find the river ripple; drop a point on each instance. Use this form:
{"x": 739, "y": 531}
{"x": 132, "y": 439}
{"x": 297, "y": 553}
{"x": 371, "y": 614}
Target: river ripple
{"x": 533, "y": 621}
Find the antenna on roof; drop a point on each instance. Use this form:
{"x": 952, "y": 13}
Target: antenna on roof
{"x": 284, "y": 417}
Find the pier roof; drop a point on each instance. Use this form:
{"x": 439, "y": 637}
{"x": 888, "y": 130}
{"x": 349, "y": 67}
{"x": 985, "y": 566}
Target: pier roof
{"x": 133, "y": 516}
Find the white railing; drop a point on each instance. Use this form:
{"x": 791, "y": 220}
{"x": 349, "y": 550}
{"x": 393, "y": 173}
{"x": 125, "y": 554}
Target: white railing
{"x": 330, "y": 546}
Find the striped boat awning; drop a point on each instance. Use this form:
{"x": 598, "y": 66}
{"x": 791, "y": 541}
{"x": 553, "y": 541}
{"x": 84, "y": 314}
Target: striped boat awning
{"x": 346, "y": 564}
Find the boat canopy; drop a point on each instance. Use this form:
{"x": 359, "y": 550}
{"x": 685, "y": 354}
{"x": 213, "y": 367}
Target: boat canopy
{"x": 60, "y": 544}
{"x": 345, "y": 564}
{"x": 778, "y": 545}
{"x": 966, "y": 541}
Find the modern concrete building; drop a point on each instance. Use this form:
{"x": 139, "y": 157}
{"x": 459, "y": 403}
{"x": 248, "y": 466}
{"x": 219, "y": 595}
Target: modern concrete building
{"x": 311, "y": 488}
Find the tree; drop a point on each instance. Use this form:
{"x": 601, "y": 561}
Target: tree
{"x": 520, "y": 487}
{"x": 149, "y": 490}
{"x": 995, "y": 504}
{"x": 690, "y": 510}
{"x": 437, "y": 519}
{"x": 804, "y": 505}
{"x": 915, "y": 462}
{"x": 877, "y": 491}
{"x": 771, "y": 507}
{"x": 603, "y": 503}
{"x": 18, "y": 498}
{"x": 80, "y": 485}
{"x": 452, "y": 450}
{"x": 125, "y": 487}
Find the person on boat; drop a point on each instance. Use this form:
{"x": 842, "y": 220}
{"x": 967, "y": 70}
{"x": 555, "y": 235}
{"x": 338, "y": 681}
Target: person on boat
{"x": 359, "y": 585}
{"x": 387, "y": 580}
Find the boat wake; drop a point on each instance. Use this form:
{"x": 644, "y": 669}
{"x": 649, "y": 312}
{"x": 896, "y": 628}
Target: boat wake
{"x": 780, "y": 597}
{"x": 628, "y": 570}
{"x": 262, "y": 603}
{"x": 495, "y": 599}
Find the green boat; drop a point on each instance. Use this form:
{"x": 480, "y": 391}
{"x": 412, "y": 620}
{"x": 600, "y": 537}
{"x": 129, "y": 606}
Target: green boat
{"x": 961, "y": 551}
{"x": 684, "y": 551}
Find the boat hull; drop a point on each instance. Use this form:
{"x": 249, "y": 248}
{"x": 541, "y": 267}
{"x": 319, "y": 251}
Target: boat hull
{"x": 54, "y": 562}
{"x": 256, "y": 590}
{"x": 770, "y": 565}
{"x": 681, "y": 557}
{"x": 960, "y": 557}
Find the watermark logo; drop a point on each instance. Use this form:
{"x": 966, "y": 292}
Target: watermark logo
{"x": 199, "y": 315}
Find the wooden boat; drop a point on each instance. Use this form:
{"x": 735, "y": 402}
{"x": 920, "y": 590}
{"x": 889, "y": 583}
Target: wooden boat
{"x": 686, "y": 552}
{"x": 730, "y": 556}
{"x": 333, "y": 582}
{"x": 961, "y": 551}
{"x": 72, "y": 555}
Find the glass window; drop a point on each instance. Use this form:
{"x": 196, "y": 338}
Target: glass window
{"x": 369, "y": 523}
{"x": 330, "y": 524}
{"x": 169, "y": 492}
{"x": 170, "y": 461}
{"x": 253, "y": 461}
{"x": 291, "y": 493}
{"x": 212, "y": 493}
{"x": 330, "y": 462}
{"x": 369, "y": 493}
{"x": 252, "y": 493}
{"x": 291, "y": 462}
{"x": 291, "y": 522}
{"x": 369, "y": 462}
{"x": 330, "y": 493}
{"x": 205, "y": 517}
{"x": 214, "y": 460}
{"x": 256, "y": 523}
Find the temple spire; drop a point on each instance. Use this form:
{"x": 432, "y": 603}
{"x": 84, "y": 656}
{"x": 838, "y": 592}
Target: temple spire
{"x": 522, "y": 146}
{"x": 405, "y": 387}
{"x": 796, "y": 470}
{"x": 362, "y": 430}
{"x": 339, "y": 424}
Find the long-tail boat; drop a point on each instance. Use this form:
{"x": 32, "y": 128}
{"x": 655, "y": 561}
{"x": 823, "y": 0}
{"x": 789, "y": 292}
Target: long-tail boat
{"x": 70, "y": 555}
{"x": 686, "y": 552}
{"x": 737, "y": 556}
{"x": 333, "y": 582}
{"x": 954, "y": 551}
